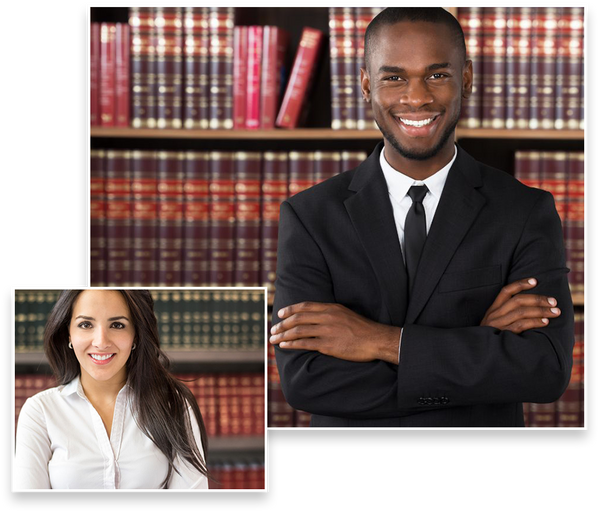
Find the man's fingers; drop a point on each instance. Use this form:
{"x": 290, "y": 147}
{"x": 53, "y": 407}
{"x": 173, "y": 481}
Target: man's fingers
{"x": 306, "y": 306}
{"x": 519, "y": 303}
{"x": 508, "y": 291}
{"x": 525, "y": 314}
{"x": 306, "y": 344}
{"x": 527, "y": 324}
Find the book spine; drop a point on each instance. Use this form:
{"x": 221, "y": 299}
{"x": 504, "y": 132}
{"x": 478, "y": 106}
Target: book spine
{"x": 170, "y": 217}
{"x": 221, "y": 67}
{"x": 143, "y": 67}
{"x": 247, "y": 215}
{"x": 574, "y": 224}
{"x": 302, "y": 74}
{"x": 350, "y": 69}
{"x": 118, "y": 217}
{"x": 543, "y": 68}
{"x": 168, "y": 23}
{"x": 528, "y": 168}
{"x": 300, "y": 171}
{"x": 554, "y": 179}
{"x": 122, "y": 75}
{"x": 144, "y": 218}
{"x": 107, "y": 74}
{"x": 255, "y": 51}
{"x": 351, "y": 159}
{"x": 494, "y": 67}
{"x": 518, "y": 63}
{"x": 97, "y": 219}
{"x": 325, "y": 165}
{"x": 336, "y": 49}
{"x": 196, "y": 219}
{"x": 222, "y": 218}
{"x": 196, "y": 45}
{"x": 240, "y": 76}
{"x": 275, "y": 43}
{"x": 94, "y": 74}
{"x": 471, "y": 20}
{"x": 364, "y": 113}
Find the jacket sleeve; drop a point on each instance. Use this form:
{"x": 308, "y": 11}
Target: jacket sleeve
{"x": 311, "y": 381}
{"x": 483, "y": 365}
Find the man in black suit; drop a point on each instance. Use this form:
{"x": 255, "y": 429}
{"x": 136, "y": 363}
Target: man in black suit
{"x": 421, "y": 288}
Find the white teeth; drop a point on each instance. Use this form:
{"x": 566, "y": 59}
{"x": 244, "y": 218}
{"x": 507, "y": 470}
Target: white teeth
{"x": 416, "y": 123}
{"x": 100, "y": 357}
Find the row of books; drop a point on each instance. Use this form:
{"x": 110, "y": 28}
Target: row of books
{"x": 568, "y": 411}
{"x": 248, "y": 474}
{"x": 562, "y": 174}
{"x": 189, "y": 67}
{"x": 232, "y": 404}
{"x": 171, "y": 218}
{"x": 527, "y": 65}
{"x": 188, "y": 319}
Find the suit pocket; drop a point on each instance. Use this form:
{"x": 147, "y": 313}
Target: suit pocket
{"x": 474, "y": 278}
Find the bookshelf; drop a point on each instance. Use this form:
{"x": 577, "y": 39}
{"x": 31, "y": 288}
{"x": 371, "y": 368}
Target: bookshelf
{"x": 493, "y": 146}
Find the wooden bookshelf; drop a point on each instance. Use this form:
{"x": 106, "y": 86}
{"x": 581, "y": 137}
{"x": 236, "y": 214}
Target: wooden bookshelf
{"x": 321, "y": 134}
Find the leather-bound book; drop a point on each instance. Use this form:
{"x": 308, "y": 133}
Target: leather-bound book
{"x": 325, "y": 165}
{"x": 196, "y": 60}
{"x": 494, "y": 67}
{"x": 275, "y": 43}
{"x": 300, "y": 171}
{"x": 220, "y": 22}
{"x": 342, "y": 55}
{"x": 364, "y": 113}
{"x": 122, "y": 88}
{"x": 95, "y": 74}
{"x": 574, "y": 223}
{"x": 97, "y": 219}
{"x": 143, "y": 67}
{"x": 471, "y": 21}
{"x": 107, "y": 74}
{"x": 255, "y": 52}
{"x": 240, "y": 76}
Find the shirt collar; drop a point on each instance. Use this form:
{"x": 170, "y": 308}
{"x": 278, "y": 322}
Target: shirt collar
{"x": 75, "y": 387}
{"x": 398, "y": 183}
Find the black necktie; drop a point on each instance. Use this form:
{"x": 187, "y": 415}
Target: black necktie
{"x": 415, "y": 232}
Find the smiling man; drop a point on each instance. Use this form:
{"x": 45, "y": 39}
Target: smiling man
{"x": 422, "y": 288}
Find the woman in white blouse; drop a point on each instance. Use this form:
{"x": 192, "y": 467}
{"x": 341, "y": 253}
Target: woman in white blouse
{"x": 118, "y": 418}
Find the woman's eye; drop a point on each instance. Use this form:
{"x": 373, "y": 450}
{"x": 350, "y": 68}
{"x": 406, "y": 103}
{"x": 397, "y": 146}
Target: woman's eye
{"x": 117, "y": 325}
{"x": 84, "y": 325}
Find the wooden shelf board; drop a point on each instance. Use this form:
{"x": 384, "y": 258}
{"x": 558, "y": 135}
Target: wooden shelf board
{"x": 236, "y": 443}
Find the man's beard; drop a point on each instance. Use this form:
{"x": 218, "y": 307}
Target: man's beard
{"x": 427, "y": 153}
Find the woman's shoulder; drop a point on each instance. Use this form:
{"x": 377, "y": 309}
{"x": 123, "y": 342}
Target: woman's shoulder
{"x": 47, "y": 397}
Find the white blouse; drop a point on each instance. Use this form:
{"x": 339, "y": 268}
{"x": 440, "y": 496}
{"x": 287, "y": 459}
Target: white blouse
{"x": 62, "y": 443}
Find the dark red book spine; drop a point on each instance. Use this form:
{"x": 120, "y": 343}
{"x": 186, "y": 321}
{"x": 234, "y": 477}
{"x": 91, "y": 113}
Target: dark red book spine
{"x": 518, "y": 63}
{"x": 350, "y": 69}
{"x": 301, "y": 171}
{"x": 494, "y": 67}
{"x": 275, "y": 42}
{"x": 107, "y": 74}
{"x": 196, "y": 219}
{"x": 170, "y": 217}
{"x": 351, "y": 159}
{"x": 554, "y": 179}
{"x": 144, "y": 218}
{"x": 574, "y": 224}
{"x": 279, "y": 413}
{"x": 364, "y": 113}
{"x": 97, "y": 219}
{"x": 303, "y": 71}
{"x": 94, "y": 74}
{"x": 240, "y": 76}
{"x": 122, "y": 75}
{"x": 222, "y": 219}
{"x": 325, "y": 165}
{"x": 528, "y": 168}
{"x": 221, "y": 67}
{"x": 255, "y": 51}
{"x": 118, "y": 217}
{"x": 336, "y": 51}
{"x": 143, "y": 67}
{"x": 471, "y": 20}
{"x": 196, "y": 44}
{"x": 247, "y": 216}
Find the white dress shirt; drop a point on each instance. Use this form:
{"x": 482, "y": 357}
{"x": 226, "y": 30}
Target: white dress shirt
{"x": 62, "y": 443}
{"x": 398, "y": 186}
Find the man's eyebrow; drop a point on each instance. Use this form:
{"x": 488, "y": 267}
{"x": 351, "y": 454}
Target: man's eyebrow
{"x": 87, "y": 318}
{"x": 397, "y": 69}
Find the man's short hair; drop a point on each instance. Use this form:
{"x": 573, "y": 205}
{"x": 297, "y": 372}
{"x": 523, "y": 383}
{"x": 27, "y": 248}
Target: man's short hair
{"x": 393, "y": 15}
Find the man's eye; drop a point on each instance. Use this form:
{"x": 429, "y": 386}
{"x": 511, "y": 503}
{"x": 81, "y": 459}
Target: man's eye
{"x": 438, "y": 75}
{"x": 393, "y": 77}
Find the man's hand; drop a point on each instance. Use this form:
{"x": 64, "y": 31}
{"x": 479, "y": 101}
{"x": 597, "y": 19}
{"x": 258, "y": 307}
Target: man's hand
{"x": 519, "y": 312}
{"x": 335, "y": 330}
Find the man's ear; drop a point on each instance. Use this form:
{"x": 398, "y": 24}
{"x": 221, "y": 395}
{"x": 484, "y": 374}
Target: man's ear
{"x": 365, "y": 84}
{"x": 467, "y": 79}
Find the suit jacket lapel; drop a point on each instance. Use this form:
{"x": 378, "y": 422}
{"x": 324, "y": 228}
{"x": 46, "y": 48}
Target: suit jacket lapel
{"x": 457, "y": 210}
{"x": 371, "y": 213}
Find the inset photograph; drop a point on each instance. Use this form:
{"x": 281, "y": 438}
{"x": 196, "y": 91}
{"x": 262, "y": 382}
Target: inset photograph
{"x": 139, "y": 389}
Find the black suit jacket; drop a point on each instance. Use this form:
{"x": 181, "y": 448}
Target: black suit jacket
{"x": 338, "y": 244}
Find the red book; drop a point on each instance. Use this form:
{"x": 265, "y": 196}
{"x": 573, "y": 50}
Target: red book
{"x": 554, "y": 179}
{"x": 196, "y": 219}
{"x": 122, "y": 75}
{"x": 143, "y": 67}
{"x": 170, "y": 217}
{"x": 118, "y": 217}
{"x": 144, "y": 218}
{"x": 222, "y": 219}
{"x": 255, "y": 50}
{"x": 325, "y": 165}
{"x": 107, "y": 74}
{"x": 351, "y": 159}
{"x": 301, "y": 171}
{"x": 364, "y": 113}
{"x": 196, "y": 45}
{"x": 471, "y": 20}
{"x": 574, "y": 223}
{"x": 247, "y": 216}
{"x": 336, "y": 60}
{"x": 220, "y": 107}
{"x": 303, "y": 71}
{"x": 275, "y": 42}
{"x": 494, "y": 64}
{"x": 97, "y": 219}
{"x": 94, "y": 74}
{"x": 528, "y": 168}
{"x": 240, "y": 76}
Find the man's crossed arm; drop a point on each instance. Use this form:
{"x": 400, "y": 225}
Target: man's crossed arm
{"x": 337, "y": 331}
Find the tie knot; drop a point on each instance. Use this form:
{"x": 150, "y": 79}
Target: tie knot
{"x": 417, "y": 192}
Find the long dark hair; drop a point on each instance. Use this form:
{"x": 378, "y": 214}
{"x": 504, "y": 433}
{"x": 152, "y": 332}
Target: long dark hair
{"x": 160, "y": 402}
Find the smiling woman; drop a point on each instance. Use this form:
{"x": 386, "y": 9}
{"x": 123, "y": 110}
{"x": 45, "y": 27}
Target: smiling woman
{"x": 118, "y": 419}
